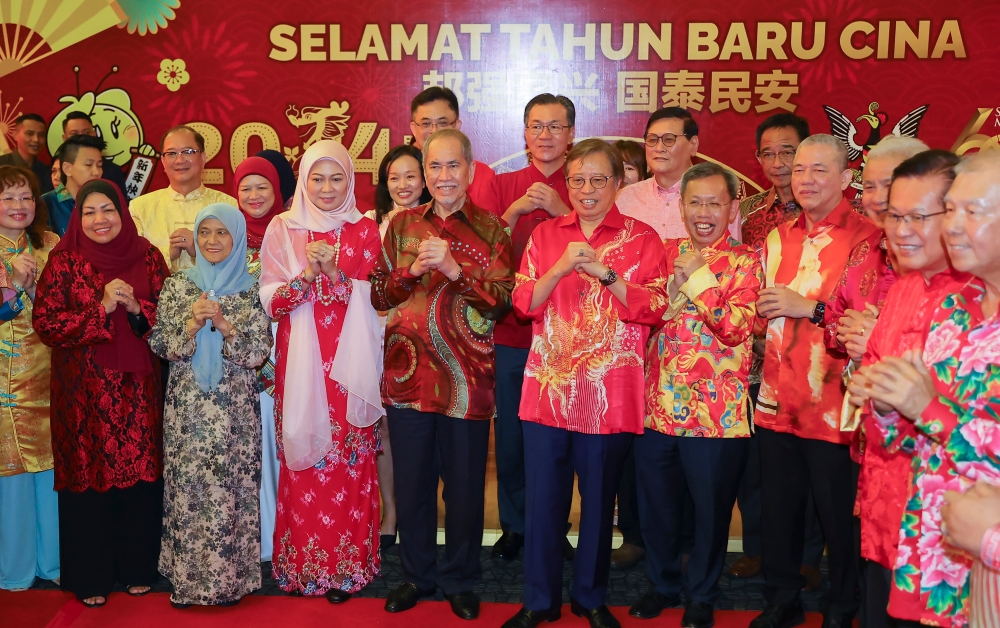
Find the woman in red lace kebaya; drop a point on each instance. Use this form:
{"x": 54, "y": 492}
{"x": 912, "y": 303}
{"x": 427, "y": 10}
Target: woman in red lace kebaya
{"x": 313, "y": 260}
{"x": 96, "y": 302}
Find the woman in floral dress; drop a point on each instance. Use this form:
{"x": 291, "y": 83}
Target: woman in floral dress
{"x": 212, "y": 328}
{"x": 314, "y": 258}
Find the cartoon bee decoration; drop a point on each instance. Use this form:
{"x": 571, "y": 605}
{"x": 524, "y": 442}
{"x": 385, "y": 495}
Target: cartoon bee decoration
{"x": 113, "y": 118}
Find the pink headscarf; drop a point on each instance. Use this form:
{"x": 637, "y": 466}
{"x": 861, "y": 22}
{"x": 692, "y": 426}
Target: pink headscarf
{"x": 303, "y": 214}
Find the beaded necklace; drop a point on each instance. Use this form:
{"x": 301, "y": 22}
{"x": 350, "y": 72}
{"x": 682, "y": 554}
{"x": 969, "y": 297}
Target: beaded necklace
{"x": 328, "y": 295}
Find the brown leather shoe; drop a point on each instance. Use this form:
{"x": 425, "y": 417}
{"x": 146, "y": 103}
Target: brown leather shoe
{"x": 746, "y": 567}
{"x": 813, "y": 576}
{"x": 626, "y": 557}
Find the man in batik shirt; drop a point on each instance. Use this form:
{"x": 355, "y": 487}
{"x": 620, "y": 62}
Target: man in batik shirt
{"x": 445, "y": 276}
{"x": 943, "y": 406}
{"x": 777, "y": 138}
{"x": 697, "y": 425}
{"x": 913, "y": 223}
{"x": 798, "y": 411}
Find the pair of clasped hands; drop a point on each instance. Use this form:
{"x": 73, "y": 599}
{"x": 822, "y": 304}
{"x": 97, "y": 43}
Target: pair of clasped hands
{"x": 204, "y": 310}
{"x": 24, "y": 269}
{"x": 321, "y": 258}
{"x": 117, "y": 292}
{"x": 434, "y": 253}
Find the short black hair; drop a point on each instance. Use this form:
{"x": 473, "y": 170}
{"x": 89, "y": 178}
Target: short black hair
{"x": 70, "y": 149}
{"x": 34, "y": 117}
{"x": 76, "y": 115}
{"x": 433, "y": 94}
{"x": 930, "y": 163}
{"x": 549, "y": 99}
{"x": 198, "y": 139}
{"x": 678, "y": 113}
{"x": 784, "y": 121}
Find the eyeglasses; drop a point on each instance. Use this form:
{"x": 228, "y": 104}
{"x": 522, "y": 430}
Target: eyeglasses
{"x": 171, "y": 155}
{"x": 916, "y": 220}
{"x": 668, "y": 139}
{"x": 698, "y": 205}
{"x": 28, "y": 201}
{"x": 597, "y": 182}
{"x": 434, "y": 125}
{"x": 555, "y": 128}
{"x": 785, "y": 156}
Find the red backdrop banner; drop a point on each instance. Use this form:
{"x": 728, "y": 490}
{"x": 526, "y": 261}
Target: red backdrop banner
{"x": 260, "y": 73}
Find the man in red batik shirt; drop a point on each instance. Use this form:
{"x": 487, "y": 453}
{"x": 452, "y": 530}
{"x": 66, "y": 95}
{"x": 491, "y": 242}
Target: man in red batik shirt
{"x": 436, "y": 108}
{"x": 798, "y": 410}
{"x": 913, "y": 223}
{"x": 445, "y": 275}
{"x": 524, "y": 199}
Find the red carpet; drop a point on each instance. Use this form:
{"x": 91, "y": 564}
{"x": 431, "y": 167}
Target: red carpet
{"x": 50, "y": 609}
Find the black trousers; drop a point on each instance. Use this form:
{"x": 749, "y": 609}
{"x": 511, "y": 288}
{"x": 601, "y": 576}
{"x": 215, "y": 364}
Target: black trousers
{"x": 669, "y": 469}
{"x": 874, "y": 611}
{"x": 628, "y": 502}
{"x": 509, "y": 441}
{"x": 748, "y": 500}
{"x": 790, "y": 466}
{"x": 463, "y": 446}
{"x": 110, "y": 536}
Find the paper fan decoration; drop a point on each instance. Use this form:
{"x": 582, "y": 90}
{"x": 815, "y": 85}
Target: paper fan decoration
{"x": 34, "y": 29}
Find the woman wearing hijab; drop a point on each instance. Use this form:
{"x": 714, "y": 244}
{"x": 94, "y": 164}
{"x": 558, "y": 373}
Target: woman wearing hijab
{"x": 29, "y": 516}
{"x": 212, "y": 328}
{"x": 286, "y": 176}
{"x": 258, "y": 186}
{"x": 313, "y": 265}
{"x": 95, "y": 303}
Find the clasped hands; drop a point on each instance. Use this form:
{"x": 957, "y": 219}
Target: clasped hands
{"x": 117, "y": 292}
{"x": 24, "y": 267}
{"x": 202, "y": 311}
{"x": 434, "y": 253}
{"x": 854, "y": 328}
{"x": 582, "y": 258}
{"x": 321, "y": 256}
{"x": 182, "y": 240}
{"x": 895, "y": 383}
{"x": 540, "y": 196}
{"x": 783, "y": 301}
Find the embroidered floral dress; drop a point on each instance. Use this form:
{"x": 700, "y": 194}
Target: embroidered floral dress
{"x": 211, "y": 450}
{"x": 327, "y": 529}
{"x": 955, "y": 441}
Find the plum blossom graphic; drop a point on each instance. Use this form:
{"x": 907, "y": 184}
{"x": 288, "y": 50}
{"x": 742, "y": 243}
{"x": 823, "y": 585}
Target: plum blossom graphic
{"x": 218, "y": 76}
{"x": 148, "y": 16}
{"x": 173, "y": 74}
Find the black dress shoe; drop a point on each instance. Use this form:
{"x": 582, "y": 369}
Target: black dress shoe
{"x": 404, "y": 597}
{"x": 177, "y": 605}
{"x": 336, "y": 596}
{"x": 652, "y": 604}
{"x": 529, "y": 619}
{"x": 599, "y": 617}
{"x": 626, "y": 557}
{"x": 780, "y": 616}
{"x": 698, "y": 615}
{"x": 465, "y": 604}
{"x": 508, "y": 546}
{"x": 838, "y": 620}
{"x": 230, "y": 603}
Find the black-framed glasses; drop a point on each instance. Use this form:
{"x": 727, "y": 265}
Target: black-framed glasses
{"x": 668, "y": 139}
{"x": 171, "y": 155}
{"x": 434, "y": 125}
{"x": 597, "y": 182}
{"x": 555, "y": 128}
{"x": 785, "y": 156}
{"x": 916, "y": 220}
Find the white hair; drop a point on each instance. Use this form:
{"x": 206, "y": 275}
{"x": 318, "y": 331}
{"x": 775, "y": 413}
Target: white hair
{"x": 897, "y": 147}
{"x": 823, "y": 139}
{"x": 983, "y": 161}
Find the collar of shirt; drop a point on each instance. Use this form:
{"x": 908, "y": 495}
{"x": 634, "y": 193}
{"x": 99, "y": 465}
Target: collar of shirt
{"x": 774, "y": 200}
{"x": 673, "y": 190}
{"x": 63, "y": 194}
{"x": 547, "y": 180}
{"x": 839, "y": 217}
{"x": 612, "y": 220}
{"x": 465, "y": 212}
{"x": 721, "y": 245}
{"x": 190, "y": 196}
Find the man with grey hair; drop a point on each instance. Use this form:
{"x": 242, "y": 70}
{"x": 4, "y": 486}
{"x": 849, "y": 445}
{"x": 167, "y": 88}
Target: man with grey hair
{"x": 798, "y": 410}
{"x": 697, "y": 425}
{"x": 446, "y": 274}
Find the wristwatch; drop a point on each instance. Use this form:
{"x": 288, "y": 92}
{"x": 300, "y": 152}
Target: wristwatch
{"x": 610, "y": 278}
{"x": 819, "y": 313}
